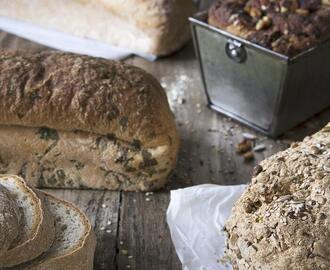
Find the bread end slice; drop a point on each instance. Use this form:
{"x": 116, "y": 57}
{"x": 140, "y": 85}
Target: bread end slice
{"x": 74, "y": 244}
{"x": 37, "y": 231}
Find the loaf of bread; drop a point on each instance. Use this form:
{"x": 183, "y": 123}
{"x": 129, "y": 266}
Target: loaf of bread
{"x": 69, "y": 121}
{"x": 156, "y": 27}
{"x": 282, "y": 221}
{"x": 286, "y": 27}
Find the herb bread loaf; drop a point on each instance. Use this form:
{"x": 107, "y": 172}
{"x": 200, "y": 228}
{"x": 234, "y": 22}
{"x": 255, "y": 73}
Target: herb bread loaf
{"x": 10, "y": 217}
{"x": 69, "y": 121}
{"x": 36, "y": 229}
{"x": 149, "y": 26}
{"x": 282, "y": 221}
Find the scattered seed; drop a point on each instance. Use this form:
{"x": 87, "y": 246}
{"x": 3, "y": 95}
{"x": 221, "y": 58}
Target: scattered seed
{"x": 148, "y": 199}
{"x": 259, "y": 148}
{"x": 249, "y": 156}
{"x": 243, "y": 147}
{"x": 249, "y": 136}
{"x": 124, "y": 252}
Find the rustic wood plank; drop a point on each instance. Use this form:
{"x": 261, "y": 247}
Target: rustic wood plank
{"x": 143, "y": 235}
{"x": 102, "y": 208}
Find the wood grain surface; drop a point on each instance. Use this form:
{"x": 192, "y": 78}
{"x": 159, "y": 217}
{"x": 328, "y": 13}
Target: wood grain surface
{"x": 131, "y": 227}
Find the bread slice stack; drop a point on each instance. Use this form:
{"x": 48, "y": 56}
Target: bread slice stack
{"x": 39, "y": 231}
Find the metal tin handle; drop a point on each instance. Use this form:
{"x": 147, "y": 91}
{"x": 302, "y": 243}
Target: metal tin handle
{"x": 236, "y": 51}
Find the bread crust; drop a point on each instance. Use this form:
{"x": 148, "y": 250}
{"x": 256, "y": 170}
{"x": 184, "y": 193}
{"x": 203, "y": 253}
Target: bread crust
{"x": 76, "y": 95}
{"x": 282, "y": 220}
{"x": 9, "y": 219}
{"x": 43, "y": 233}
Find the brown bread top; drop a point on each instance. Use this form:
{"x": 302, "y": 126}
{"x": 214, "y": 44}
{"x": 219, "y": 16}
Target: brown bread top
{"x": 70, "y": 92}
{"x": 285, "y": 26}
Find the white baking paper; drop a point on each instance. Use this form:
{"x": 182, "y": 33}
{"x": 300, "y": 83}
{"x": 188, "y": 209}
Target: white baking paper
{"x": 196, "y": 216}
{"x": 66, "y": 42}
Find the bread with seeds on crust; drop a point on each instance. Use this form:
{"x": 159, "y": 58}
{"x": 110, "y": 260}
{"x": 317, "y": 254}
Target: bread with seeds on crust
{"x": 282, "y": 221}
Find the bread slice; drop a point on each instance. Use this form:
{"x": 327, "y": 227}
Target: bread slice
{"x": 37, "y": 231}
{"x": 9, "y": 219}
{"x": 74, "y": 244}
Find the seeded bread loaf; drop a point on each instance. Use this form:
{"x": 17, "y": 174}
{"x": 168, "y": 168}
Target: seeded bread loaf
{"x": 282, "y": 221}
{"x": 149, "y": 26}
{"x": 10, "y": 217}
{"x": 287, "y": 27}
{"x": 74, "y": 244}
{"x": 36, "y": 231}
{"x": 69, "y": 121}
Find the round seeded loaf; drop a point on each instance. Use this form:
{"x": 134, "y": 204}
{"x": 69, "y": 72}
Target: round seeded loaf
{"x": 9, "y": 219}
{"x": 282, "y": 221}
{"x": 36, "y": 232}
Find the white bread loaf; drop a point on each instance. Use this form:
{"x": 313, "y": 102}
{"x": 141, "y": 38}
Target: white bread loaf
{"x": 149, "y": 26}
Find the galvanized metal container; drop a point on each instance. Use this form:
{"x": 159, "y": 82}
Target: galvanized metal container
{"x": 265, "y": 90}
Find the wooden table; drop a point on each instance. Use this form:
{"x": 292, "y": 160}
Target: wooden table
{"x": 131, "y": 229}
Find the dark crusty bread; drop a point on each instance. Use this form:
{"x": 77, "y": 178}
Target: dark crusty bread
{"x": 287, "y": 27}
{"x": 282, "y": 221}
{"x": 10, "y": 217}
{"x": 36, "y": 231}
{"x": 92, "y": 99}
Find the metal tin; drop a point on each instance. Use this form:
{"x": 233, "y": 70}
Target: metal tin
{"x": 263, "y": 89}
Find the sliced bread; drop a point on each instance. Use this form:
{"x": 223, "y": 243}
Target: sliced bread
{"x": 37, "y": 230}
{"x": 9, "y": 219}
{"x": 74, "y": 244}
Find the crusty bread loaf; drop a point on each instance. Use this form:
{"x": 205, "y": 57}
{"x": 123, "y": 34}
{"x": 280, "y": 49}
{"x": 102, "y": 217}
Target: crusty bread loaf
{"x": 150, "y": 26}
{"x": 74, "y": 244}
{"x": 282, "y": 221}
{"x": 108, "y": 124}
{"x": 37, "y": 230}
{"x": 10, "y": 217}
